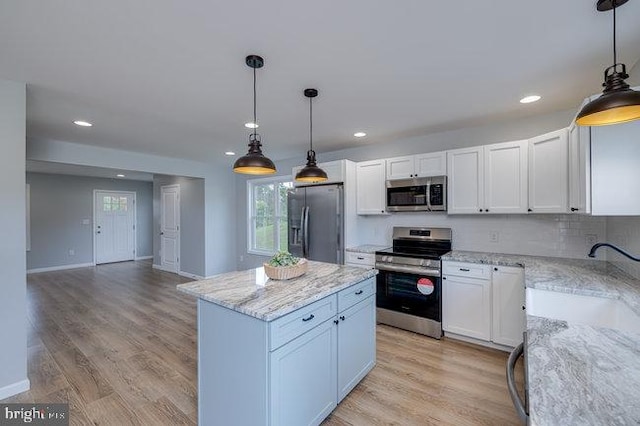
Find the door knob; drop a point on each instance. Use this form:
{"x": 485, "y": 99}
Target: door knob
{"x": 98, "y": 232}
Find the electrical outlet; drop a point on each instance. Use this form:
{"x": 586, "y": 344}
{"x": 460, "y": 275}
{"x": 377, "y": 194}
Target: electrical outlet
{"x": 591, "y": 239}
{"x": 494, "y": 236}
{"x": 72, "y": 252}
{"x": 85, "y": 221}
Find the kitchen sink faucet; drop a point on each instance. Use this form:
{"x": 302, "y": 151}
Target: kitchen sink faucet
{"x": 592, "y": 252}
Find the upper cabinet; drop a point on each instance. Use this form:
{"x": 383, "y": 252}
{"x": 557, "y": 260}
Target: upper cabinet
{"x": 615, "y": 169}
{"x": 422, "y": 165}
{"x": 335, "y": 171}
{"x": 579, "y": 169}
{"x": 370, "y": 187}
{"x": 549, "y": 172}
{"x": 488, "y": 179}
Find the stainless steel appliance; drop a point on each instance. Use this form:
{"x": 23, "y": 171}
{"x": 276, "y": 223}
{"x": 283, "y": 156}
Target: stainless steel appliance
{"x": 316, "y": 223}
{"x": 418, "y": 194}
{"x": 409, "y": 282}
{"x": 522, "y": 407}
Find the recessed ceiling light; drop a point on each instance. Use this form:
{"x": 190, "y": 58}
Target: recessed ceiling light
{"x": 229, "y": 153}
{"x": 529, "y": 99}
{"x": 360, "y": 134}
{"x": 251, "y": 125}
{"x": 119, "y": 175}
{"x": 82, "y": 123}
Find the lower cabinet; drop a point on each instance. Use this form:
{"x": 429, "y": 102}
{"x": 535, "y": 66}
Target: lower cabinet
{"x": 483, "y": 302}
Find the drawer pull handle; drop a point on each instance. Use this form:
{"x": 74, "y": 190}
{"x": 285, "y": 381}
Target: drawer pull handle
{"x": 464, "y": 269}
{"x": 360, "y": 258}
{"x": 359, "y": 292}
{"x": 309, "y": 318}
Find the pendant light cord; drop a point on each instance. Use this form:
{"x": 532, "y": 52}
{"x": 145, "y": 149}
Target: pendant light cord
{"x": 615, "y": 56}
{"x": 255, "y": 118}
{"x": 311, "y": 124}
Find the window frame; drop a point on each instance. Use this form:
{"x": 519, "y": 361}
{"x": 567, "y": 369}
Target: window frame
{"x": 251, "y": 183}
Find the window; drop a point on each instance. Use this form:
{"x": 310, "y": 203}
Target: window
{"x": 268, "y": 215}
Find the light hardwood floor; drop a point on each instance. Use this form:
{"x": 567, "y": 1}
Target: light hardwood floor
{"x": 118, "y": 343}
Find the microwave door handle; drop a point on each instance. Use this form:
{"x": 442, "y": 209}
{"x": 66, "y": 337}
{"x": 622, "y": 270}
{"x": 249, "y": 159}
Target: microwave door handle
{"x": 428, "y": 195}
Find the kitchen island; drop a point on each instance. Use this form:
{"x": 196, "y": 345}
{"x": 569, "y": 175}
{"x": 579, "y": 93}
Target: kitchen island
{"x": 282, "y": 352}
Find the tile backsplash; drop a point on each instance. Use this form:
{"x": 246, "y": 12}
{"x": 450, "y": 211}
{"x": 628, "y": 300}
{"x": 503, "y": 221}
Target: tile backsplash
{"x": 539, "y": 235}
{"x": 624, "y": 232}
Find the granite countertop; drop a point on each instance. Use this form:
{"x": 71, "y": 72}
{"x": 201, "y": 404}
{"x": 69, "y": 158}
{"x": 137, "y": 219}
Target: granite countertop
{"x": 366, "y": 248}
{"x": 252, "y": 293}
{"x": 577, "y": 374}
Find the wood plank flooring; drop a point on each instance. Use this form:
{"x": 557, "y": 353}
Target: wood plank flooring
{"x": 118, "y": 343}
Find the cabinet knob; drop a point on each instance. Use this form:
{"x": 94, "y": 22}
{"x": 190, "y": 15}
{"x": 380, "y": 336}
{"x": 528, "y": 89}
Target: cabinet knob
{"x": 573, "y": 209}
{"x": 358, "y": 293}
{"x": 529, "y": 210}
{"x": 342, "y": 317}
{"x": 487, "y": 210}
{"x": 444, "y": 278}
{"x": 495, "y": 269}
{"x": 480, "y": 210}
{"x": 524, "y": 307}
{"x": 336, "y": 321}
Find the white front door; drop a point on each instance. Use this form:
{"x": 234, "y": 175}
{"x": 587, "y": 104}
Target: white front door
{"x": 114, "y": 226}
{"x": 170, "y": 228}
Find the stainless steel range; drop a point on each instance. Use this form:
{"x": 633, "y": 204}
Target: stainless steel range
{"x": 409, "y": 285}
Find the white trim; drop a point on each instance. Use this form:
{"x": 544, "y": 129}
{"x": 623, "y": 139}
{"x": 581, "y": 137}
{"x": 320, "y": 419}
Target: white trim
{"x": 144, "y": 257}
{"x": 60, "y": 268}
{"x": 28, "y": 215}
{"x": 135, "y": 221}
{"x": 479, "y": 342}
{"x": 190, "y": 275}
{"x": 14, "y": 388}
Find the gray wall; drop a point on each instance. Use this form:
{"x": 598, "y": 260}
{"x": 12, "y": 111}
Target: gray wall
{"x": 59, "y": 204}
{"x": 471, "y": 136}
{"x": 13, "y": 312}
{"x": 192, "y": 222}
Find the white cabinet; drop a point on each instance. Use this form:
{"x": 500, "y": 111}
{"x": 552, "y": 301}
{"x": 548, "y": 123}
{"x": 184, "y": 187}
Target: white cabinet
{"x": 360, "y": 260}
{"x": 370, "y": 187}
{"x": 466, "y": 303}
{"x": 303, "y": 379}
{"x": 505, "y": 177}
{"x": 508, "y": 294}
{"x": 356, "y": 344}
{"x": 421, "y": 165}
{"x": 579, "y": 169}
{"x": 335, "y": 170}
{"x": 483, "y": 302}
{"x": 615, "y": 169}
{"x": 465, "y": 191}
{"x": 488, "y": 179}
{"x": 549, "y": 172}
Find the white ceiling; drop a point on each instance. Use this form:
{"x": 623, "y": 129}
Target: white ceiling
{"x": 77, "y": 170}
{"x": 168, "y": 77}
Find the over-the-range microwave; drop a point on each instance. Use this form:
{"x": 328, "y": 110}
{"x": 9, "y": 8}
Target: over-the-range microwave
{"x": 417, "y": 194}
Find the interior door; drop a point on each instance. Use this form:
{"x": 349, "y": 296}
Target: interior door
{"x": 114, "y": 226}
{"x": 170, "y": 228}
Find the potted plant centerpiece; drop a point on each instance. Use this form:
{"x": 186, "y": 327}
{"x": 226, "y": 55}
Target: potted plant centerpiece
{"x": 284, "y": 266}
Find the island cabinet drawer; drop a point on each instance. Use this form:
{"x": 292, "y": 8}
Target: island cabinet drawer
{"x": 364, "y": 259}
{"x": 470, "y": 270}
{"x": 354, "y": 294}
{"x": 298, "y": 322}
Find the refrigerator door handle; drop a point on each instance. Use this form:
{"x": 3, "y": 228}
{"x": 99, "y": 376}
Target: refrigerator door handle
{"x": 305, "y": 232}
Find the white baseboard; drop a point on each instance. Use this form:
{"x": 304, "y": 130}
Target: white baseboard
{"x": 59, "y": 268}
{"x": 190, "y": 275}
{"x": 14, "y": 389}
{"x": 144, "y": 257}
{"x": 478, "y": 342}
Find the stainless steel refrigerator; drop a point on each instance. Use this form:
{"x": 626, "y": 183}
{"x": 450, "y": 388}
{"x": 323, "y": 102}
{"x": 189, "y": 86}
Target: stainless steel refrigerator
{"x": 316, "y": 223}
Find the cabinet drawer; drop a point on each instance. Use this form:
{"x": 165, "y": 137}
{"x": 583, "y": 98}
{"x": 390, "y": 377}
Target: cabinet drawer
{"x": 471, "y": 270}
{"x": 367, "y": 259}
{"x": 298, "y": 322}
{"x": 356, "y": 293}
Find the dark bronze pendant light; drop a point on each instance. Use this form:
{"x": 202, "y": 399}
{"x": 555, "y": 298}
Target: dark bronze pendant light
{"x": 254, "y": 163}
{"x": 311, "y": 172}
{"x": 618, "y": 103}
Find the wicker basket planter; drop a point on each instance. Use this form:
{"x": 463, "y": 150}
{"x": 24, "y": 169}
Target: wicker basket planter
{"x": 286, "y": 272}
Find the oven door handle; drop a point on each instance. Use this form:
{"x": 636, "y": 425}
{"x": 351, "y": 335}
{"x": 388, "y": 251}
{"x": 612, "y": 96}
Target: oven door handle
{"x": 408, "y": 269}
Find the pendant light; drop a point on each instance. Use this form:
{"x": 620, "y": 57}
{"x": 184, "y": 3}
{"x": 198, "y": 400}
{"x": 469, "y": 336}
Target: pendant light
{"x": 254, "y": 163}
{"x": 311, "y": 172}
{"x": 618, "y": 103}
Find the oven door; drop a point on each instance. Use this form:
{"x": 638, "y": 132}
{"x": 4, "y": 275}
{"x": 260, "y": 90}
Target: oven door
{"x": 411, "y": 292}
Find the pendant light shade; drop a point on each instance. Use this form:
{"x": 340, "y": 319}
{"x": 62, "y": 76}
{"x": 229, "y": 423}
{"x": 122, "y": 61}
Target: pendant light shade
{"x": 618, "y": 103}
{"x": 311, "y": 172}
{"x": 254, "y": 163}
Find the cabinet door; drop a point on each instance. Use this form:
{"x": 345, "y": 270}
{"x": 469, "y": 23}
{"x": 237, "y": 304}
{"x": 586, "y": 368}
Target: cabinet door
{"x": 370, "y": 187}
{"x": 400, "y": 167}
{"x": 549, "y": 173}
{"x": 505, "y": 177}
{"x": 303, "y": 378}
{"x": 432, "y": 164}
{"x": 356, "y": 344}
{"x": 615, "y": 169}
{"x": 466, "y": 306}
{"x": 465, "y": 168}
{"x": 579, "y": 169}
{"x": 508, "y": 301}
